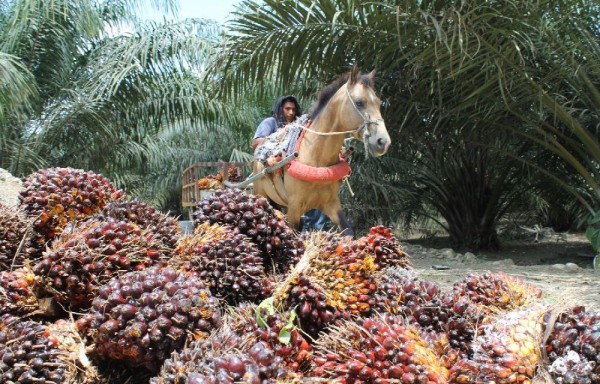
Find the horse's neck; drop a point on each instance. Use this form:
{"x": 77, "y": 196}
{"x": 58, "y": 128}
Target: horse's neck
{"x": 322, "y": 150}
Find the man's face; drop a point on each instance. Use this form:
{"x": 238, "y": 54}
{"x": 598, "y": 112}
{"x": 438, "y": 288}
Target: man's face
{"x": 289, "y": 111}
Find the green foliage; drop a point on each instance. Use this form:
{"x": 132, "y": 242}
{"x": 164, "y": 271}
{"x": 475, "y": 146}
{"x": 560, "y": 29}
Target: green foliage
{"x": 480, "y": 76}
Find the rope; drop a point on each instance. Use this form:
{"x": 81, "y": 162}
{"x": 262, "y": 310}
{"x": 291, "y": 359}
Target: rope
{"x": 365, "y": 126}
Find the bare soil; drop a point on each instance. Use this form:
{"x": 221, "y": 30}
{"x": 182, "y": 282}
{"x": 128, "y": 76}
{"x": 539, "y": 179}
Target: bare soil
{"x": 543, "y": 264}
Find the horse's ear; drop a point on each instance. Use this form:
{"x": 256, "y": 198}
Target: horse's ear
{"x": 354, "y": 74}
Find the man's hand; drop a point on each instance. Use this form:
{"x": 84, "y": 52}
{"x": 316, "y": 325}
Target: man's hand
{"x": 258, "y": 141}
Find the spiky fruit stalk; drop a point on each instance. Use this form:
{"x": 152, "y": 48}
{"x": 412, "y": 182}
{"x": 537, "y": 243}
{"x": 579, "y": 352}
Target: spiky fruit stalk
{"x": 254, "y": 217}
{"x": 34, "y": 353}
{"x": 229, "y": 262}
{"x": 56, "y": 196}
{"x": 142, "y": 316}
{"x": 18, "y": 292}
{"x": 424, "y": 303}
{"x": 497, "y": 290}
{"x": 15, "y": 238}
{"x": 508, "y": 351}
{"x": 573, "y": 346}
{"x": 160, "y": 226}
{"x": 247, "y": 348}
{"x": 89, "y": 253}
{"x": 376, "y": 350}
{"x": 331, "y": 281}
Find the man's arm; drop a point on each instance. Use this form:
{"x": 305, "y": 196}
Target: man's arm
{"x": 258, "y": 141}
{"x": 265, "y": 128}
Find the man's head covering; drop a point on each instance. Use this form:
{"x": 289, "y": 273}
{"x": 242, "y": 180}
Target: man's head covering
{"x": 277, "y": 110}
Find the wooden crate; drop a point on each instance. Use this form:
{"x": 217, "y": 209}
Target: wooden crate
{"x": 190, "y": 193}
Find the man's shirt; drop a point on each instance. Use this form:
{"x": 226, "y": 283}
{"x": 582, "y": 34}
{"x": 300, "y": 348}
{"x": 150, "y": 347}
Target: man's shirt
{"x": 266, "y": 127}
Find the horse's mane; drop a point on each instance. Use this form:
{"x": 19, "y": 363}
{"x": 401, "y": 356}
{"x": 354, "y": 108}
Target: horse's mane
{"x": 327, "y": 93}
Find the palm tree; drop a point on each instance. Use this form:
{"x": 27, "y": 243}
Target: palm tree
{"x": 462, "y": 72}
{"x": 137, "y": 106}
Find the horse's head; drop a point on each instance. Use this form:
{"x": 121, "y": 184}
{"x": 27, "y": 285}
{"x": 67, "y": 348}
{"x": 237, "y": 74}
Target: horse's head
{"x": 362, "y": 109}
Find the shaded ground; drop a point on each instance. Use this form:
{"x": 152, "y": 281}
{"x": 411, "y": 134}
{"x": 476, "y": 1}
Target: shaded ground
{"x": 561, "y": 268}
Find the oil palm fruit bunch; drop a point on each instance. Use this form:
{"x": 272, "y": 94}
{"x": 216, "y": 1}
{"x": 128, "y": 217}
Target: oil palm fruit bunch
{"x": 508, "y": 350}
{"x": 18, "y": 292}
{"x": 424, "y": 303}
{"x": 375, "y": 350}
{"x": 228, "y": 262}
{"x": 161, "y": 226}
{"x": 382, "y": 243}
{"x": 254, "y": 217}
{"x": 55, "y": 196}
{"x": 497, "y": 290}
{"x": 573, "y": 346}
{"x": 255, "y": 344}
{"x": 90, "y": 252}
{"x": 330, "y": 281}
{"x": 15, "y": 238}
{"x": 141, "y": 317}
{"x": 31, "y": 352}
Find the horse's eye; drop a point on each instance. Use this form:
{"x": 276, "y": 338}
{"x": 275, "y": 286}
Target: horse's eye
{"x": 360, "y": 103}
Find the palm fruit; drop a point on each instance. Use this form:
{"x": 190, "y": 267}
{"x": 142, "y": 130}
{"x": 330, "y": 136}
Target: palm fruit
{"x": 381, "y": 243}
{"x": 573, "y": 346}
{"x": 142, "y": 316}
{"x": 116, "y": 372}
{"x": 31, "y": 352}
{"x": 18, "y": 292}
{"x": 228, "y": 262}
{"x": 424, "y": 303}
{"x": 255, "y": 344}
{"x": 254, "y": 217}
{"x": 56, "y": 196}
{"x": 497, "y": 291}
{"x": 375, "y": 350}
{"x": 15, "y": 238}
{"x": 507, "y": 351}
{"x": 330, "y": 281}
{"x": 161, "y": 226}
{"x": 88, "y": 253}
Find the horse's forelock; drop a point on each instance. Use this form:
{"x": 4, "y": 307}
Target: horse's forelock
{"x": 327, "y": 93}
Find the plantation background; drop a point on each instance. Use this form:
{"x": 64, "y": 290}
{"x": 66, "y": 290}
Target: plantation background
{"x": 492, "y": 106}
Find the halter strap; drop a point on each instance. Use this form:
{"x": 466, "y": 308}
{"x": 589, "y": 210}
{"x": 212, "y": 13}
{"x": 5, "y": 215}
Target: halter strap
{"x": 364, "y": 127}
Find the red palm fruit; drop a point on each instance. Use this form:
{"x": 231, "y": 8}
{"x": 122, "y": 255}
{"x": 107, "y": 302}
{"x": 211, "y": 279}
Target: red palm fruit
{"x": 497, "y": 290}
{"x": 381, "y": 243}
{"x": 229, "y": 262}
{"x": 156, "y": 224}
{"x": 507, "y": 351}
{"x": 19, "y": 292}
{"x": 54, "y": 197}
{"x": 254, "y": 217}
{"x": 249, "y": 347}
{"x": 16, "y": 243}
{"x": 43, "y": 354}
{"x": 89, "y": 253}
{"x": 573, "y": 345}
{"x": 142, "y": 316}
{"x": 350, "y": 353}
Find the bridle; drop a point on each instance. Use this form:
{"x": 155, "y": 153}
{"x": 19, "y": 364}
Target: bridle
{"x": 365, "y": 127}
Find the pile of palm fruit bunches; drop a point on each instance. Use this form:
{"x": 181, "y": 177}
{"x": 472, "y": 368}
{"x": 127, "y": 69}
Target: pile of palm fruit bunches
{"x": 97, "y": 287}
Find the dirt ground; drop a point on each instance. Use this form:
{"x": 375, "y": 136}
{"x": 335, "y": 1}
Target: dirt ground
{"x": 562, "y": 269}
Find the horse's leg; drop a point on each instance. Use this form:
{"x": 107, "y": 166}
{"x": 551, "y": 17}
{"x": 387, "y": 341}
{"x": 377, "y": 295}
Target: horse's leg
{"x": 335, "y": 213}
{"x": 293, "y": 216}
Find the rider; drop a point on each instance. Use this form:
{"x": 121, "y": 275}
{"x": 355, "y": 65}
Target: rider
{"x": 285, "y": 110}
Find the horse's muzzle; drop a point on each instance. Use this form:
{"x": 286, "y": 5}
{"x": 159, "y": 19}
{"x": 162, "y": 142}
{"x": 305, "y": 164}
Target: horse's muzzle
{"x": 379, "y": 144}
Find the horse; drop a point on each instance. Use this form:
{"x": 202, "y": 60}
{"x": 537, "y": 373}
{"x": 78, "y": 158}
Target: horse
{"x": 349, "y": 105}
